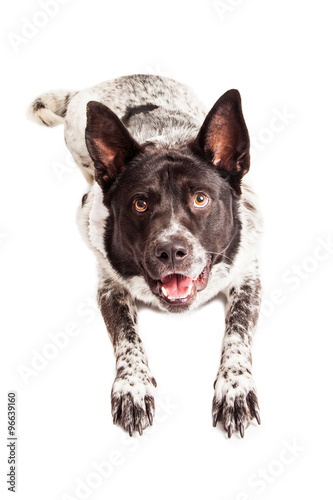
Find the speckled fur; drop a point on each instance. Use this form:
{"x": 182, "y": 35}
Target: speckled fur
{"x": 144, "y": 102}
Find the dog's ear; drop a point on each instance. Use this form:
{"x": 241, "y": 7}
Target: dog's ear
{"x": 109, "y": 143}
{"x": 224, "y": 140}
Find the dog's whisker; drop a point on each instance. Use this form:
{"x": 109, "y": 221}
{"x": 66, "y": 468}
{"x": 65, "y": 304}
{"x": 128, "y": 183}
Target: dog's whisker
{"x": 222, "y": 254}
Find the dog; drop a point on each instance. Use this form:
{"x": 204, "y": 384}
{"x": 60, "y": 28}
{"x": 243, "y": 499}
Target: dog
{"x": 172, "y": 224}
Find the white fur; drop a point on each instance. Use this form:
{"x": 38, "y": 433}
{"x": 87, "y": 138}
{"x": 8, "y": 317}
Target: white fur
{"x": 97, "y": 217}
{"x": 45, "y": 116}
{"x": 54, "y": 107}
{"x": 252, "y": 226}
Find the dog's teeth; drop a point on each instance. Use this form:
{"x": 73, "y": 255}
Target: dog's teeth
{"x": 174, "y": 299}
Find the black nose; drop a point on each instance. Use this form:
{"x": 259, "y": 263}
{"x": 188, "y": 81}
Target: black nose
{"x": 171, "y": 252}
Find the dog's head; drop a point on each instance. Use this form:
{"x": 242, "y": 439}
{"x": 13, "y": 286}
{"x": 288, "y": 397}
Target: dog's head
{"x": 172, "y": 214}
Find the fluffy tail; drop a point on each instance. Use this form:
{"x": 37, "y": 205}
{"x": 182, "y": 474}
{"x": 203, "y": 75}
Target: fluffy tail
{"x": 50, "y": 108}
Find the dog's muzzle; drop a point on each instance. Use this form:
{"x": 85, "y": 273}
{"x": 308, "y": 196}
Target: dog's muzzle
{"x": 173, "y": 275}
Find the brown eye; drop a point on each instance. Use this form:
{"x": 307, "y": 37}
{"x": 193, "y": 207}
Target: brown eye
{"x": 140, "y": 206}
{"x": 200, "y": 200}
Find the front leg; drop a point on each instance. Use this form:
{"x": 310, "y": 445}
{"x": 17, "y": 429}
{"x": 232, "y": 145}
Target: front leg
{"x": 235, "y": 401}
{"x": 132, "y": 399}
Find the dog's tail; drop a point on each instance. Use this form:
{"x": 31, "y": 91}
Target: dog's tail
{"x": 50, "y": 108}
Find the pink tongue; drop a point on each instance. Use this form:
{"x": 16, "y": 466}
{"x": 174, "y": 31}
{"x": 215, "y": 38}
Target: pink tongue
{"x": 177, "y": 285}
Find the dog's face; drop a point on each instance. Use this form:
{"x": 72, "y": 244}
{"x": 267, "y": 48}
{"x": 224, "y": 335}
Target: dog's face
{"x": 172, "y": 214}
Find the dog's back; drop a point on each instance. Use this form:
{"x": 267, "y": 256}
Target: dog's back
{"x": 154, "y": 109}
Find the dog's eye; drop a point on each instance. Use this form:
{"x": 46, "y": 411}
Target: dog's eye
{"x": 140, "y": 205}
{"x": 200, "y": 200}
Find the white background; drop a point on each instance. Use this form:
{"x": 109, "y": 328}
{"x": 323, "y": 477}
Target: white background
{"x": 278, "y": 54}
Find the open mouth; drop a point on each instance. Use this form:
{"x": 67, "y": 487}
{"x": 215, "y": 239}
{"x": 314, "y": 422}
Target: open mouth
{"x": 177, "y": 289}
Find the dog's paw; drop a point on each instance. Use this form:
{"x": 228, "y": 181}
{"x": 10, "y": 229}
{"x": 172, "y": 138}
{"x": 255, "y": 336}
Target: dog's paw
{"x": 235, "y": 403}
{"x": 132, "y": 401}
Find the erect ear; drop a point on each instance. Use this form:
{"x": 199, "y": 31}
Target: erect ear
{"x": 109, "y": 143}
{"x": 224, "y": 140}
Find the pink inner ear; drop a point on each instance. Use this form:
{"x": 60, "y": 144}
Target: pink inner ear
{"x": 223, "y": 155}
{"x": 107, "y": 154}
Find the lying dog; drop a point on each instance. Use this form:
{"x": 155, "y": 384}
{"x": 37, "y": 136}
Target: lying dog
{"x": 171, "y": 224}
